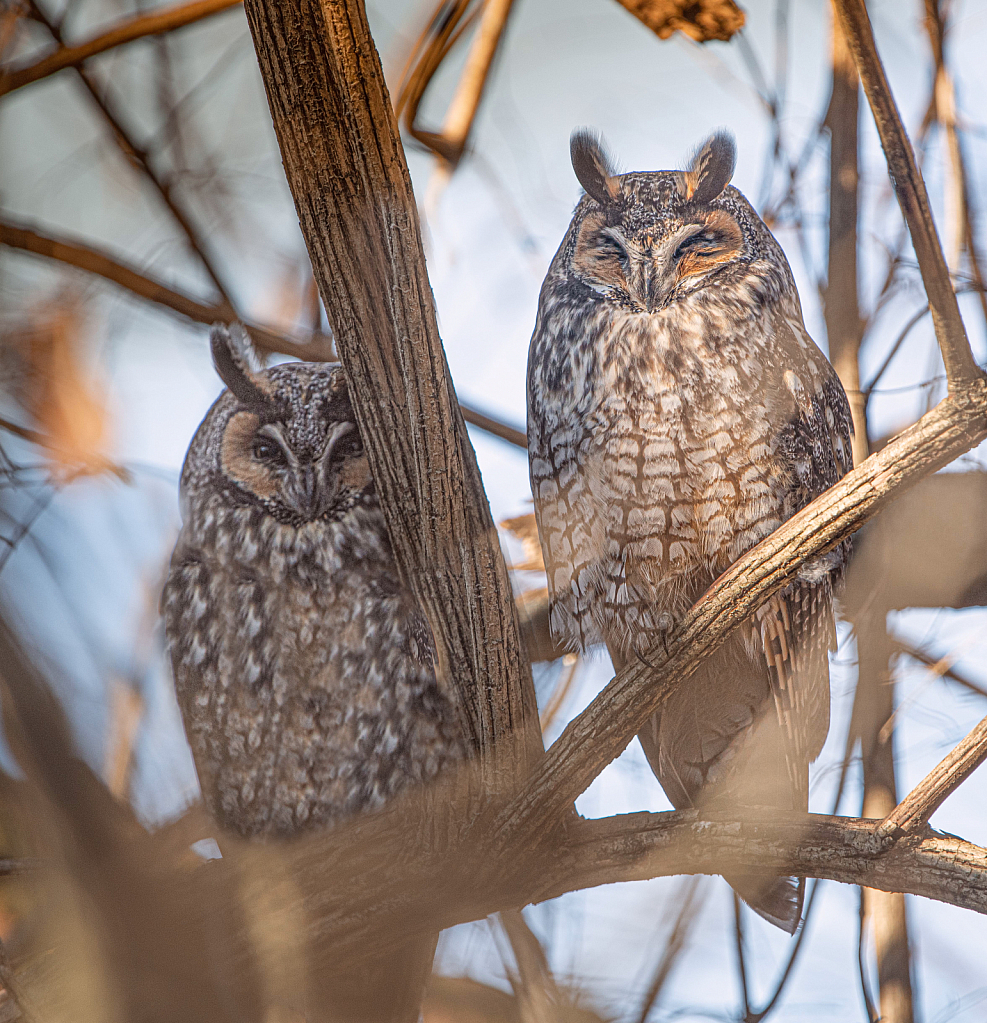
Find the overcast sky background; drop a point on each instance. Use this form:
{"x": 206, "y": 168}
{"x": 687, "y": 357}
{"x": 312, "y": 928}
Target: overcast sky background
{"x": 85, "y": 585}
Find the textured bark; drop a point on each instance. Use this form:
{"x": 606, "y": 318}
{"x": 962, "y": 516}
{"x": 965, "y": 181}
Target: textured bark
{"x": 346, "y": 169}
{"x": 935, "y": 788}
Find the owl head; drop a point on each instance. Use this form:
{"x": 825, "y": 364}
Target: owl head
{"x": 646, "y": 240}
{"x": 284, "y": 439}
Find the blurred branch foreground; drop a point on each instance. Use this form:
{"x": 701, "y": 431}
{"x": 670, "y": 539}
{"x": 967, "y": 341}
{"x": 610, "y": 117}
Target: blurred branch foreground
{"x": 143, "y": 931}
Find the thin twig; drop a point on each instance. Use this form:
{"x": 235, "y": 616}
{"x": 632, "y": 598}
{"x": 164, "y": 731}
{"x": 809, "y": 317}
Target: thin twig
{"x": 912, "y": 195}
{"x": 535, "y": 987}
{"x": 738, "y": 931}
{"x": 861, "y": 963}
{"x": 810, "y": 902}
{"x": 944, "y": 103}
{"x": 140, "y": 156}
{"x": 123, "y": 32}
{"x": 933, "y": 790}
{"x": 570, "y": 667}
{"x": 936, "y": 663}
{"x": 103, "y": 265}
{"x": 673, "y": 947}
{"x": 499, "y": 429}
{"x": 465, "y": 102}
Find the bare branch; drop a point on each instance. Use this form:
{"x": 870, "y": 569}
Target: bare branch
{"x": 939, "y": 665}
{"x": 466, "y": 100}
{"x": 673, "y": 947}
{"x": 103, "y": 265}
{"x": 912, "y": 196}
{"x": 123, "y": 32}
{"x": 933, "y": 790}
{"x": 844, "y": 326}
{"x": 601, "y": 732}
{"x": 535, "y": 990}
{"x": 634, "y": 847}
{"x": 139, "y": 156}
{"x": 509, "y": 433}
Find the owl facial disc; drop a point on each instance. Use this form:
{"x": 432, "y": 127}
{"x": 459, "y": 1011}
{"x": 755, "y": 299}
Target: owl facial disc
{"x": 647, "y": 239}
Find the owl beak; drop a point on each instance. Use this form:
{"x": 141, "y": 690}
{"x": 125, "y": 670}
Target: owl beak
{"x": 652, "y": 284}
{"x": 307, "y": 491}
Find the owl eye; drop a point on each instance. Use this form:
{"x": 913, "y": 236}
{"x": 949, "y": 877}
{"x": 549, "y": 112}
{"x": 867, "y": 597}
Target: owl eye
{"x": 607, "y": 249}
{"x": 266, "y": 450}
{"x": 348, "y": 447}
{"x": 704, "y": 241}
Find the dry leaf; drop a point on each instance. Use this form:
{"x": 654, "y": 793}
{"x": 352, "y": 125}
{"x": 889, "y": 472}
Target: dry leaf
{"x": 525, "y": 529}
{"x": 700, "y": 20}
{"x": 67, "y": 405}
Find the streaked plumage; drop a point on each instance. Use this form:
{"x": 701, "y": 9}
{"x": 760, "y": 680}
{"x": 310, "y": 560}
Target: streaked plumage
{"x": 678, "y": 412}
{"x": 303, "y": 667}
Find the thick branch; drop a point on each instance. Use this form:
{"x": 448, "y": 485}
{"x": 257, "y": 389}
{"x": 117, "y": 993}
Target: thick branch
{"x": 347, "y": 173}
{"x": 602, "y": 731}
{"x": 643, "y": 845}
{"x": 932, "y": 791}
{"x": 912, "y": 196}
{"x": 124, "y": 32}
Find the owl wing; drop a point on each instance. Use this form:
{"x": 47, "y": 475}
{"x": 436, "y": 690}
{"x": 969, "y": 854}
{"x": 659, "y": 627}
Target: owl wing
{"x": 796, "y": 629}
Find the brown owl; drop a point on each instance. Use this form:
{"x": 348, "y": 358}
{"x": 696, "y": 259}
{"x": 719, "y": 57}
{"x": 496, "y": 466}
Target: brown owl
{"x": 678, "y": 412}
{"x": 303, "y": 667}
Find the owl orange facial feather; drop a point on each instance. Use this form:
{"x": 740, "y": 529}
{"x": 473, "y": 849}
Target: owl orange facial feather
{"x": 678, "y": 413}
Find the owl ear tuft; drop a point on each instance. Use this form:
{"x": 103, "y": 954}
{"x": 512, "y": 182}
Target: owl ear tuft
{"x": 236, "y": 362}
{"x": 711, "y": 169}
{"x": 593, "y": 166}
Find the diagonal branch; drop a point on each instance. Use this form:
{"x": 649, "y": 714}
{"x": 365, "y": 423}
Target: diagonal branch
{"x": 911, "y": 193}
{"x": 932, "y": 791}
{"x": 511, "y": 434}
{"x": 103, "y": 265}
{"x": 125, "y": 31}
{"x": 139, "y": 156}
{"x": 602, "y": 731}
{"x": 318, "y": 349}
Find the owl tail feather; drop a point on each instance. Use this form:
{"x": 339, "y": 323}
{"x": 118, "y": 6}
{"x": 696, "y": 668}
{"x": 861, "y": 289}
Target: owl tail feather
{"x": 776, "y": 899}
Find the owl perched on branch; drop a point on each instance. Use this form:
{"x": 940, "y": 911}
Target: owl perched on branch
{"x": 678, "y": 413}
{"x": 303, "y": 666}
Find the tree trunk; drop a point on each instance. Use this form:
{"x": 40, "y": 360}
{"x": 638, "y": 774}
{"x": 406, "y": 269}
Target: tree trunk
{"x": 347, "y": 173}
{"x": 346, "y": 169}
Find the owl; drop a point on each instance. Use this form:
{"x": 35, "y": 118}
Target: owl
{"x": 304, "y": 668}
{"x": 678, "y": 412}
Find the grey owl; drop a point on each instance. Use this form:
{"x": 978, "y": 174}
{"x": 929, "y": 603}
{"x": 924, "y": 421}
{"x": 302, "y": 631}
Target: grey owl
{"x": 678, "y": 413}
{"x": 303, "y": 667}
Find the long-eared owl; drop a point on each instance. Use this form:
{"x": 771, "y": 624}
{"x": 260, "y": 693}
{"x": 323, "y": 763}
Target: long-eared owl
{"x": 303, "y": 667}
{"x": 678, "y": 413}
